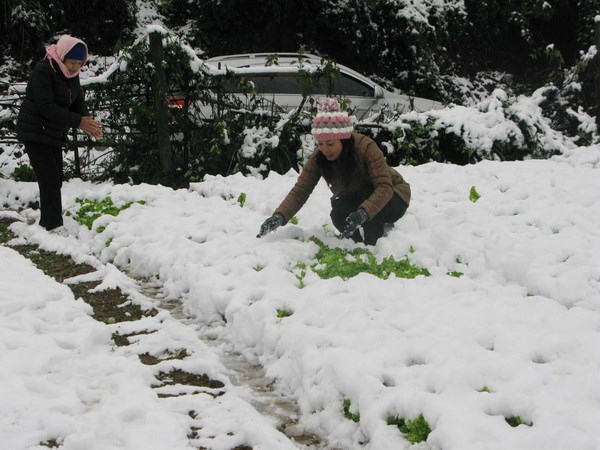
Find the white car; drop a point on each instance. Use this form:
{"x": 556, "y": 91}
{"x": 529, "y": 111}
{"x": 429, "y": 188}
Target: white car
{"x": 277, "y": 78}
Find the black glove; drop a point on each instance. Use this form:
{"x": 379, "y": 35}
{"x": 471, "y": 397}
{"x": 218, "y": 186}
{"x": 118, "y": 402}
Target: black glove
{"x": 353, "y": 221}
{"x": 273, "y": 222}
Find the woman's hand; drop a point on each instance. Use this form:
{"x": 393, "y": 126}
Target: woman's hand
{"x": 91, "y": 127}
{"x": 272, "y": 223}
{"x": 353, "y": 221}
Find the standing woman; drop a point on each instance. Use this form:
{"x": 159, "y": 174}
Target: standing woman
{"x": 367, "y": 193}
{"x": 53, "y": 104}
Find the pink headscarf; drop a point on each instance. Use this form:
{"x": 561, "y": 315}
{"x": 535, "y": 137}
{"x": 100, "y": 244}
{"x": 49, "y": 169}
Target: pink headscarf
{"x": 57, "y": 52}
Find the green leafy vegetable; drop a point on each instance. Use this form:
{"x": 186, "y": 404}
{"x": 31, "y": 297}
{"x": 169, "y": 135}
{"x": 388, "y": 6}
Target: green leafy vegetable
{"x": 284, "y": 312}
{"x": 414, "y": 431}
{"x": 242, "y": 199}
{"x": 474, "y": 195}
{"x": 346, "y": 404}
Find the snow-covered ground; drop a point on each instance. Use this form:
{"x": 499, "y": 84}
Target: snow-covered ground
{"x": 63, "y": 380}
{"x": 518, "y": 334}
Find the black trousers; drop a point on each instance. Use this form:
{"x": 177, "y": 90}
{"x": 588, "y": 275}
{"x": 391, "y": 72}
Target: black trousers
{"x": 47, "y": 163}
{"x": 373, "y": 229}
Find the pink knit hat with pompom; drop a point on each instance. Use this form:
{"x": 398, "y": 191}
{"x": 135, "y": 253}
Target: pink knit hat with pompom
{"x": 330, "y": 123}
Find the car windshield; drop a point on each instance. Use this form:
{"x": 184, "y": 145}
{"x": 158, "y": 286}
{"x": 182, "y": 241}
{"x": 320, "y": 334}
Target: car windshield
{"x": 291, "y": 83}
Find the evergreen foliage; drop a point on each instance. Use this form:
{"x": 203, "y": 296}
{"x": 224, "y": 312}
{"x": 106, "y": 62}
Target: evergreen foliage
{"x": 411, "y": 44}
{"x": 236, "y": 136}
{"x": 23, "y": 172}
{"x": 29, "y": 25}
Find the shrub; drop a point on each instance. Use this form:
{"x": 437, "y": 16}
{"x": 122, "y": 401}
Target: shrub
{"x": 23, "y": 172}
{"x": 463, "y": 135}
{"x": 247, "y": 134}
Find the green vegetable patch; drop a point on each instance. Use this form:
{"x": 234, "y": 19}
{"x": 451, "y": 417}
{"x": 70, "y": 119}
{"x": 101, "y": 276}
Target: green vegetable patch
{"x": 339, "y": 262}
{"x": 90, "y": 210}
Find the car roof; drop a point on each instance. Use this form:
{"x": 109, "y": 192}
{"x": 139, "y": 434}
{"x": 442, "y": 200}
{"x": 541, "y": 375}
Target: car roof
{"x": 247, "y": 63}
{"x": 259, "y": 59}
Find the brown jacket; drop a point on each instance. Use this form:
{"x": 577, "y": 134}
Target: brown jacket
{"x": 373, "y": 169}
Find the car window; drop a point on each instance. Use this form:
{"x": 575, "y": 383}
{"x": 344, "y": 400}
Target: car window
{"x": 289, "y": 83}
{"x": 268, "y": 83}
{"x": 347, "y": 85}
{"x": 278, "y": 84}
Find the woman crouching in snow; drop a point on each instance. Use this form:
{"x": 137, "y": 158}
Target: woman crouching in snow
{"x": 367, "y": 193}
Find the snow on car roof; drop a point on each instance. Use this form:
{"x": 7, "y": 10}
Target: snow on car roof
{"x": 286, "y": 62}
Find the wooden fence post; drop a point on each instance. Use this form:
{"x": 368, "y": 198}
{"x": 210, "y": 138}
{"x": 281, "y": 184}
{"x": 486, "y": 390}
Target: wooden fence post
{"x": 159, "y": 93}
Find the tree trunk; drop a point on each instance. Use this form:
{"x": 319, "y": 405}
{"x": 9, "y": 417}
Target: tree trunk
{"x": 159, "y": 93}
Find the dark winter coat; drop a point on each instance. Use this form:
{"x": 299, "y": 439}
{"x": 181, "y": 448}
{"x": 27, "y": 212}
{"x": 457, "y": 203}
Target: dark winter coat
{"x": 372, "y": 170}
{"x": 52, "y": 105}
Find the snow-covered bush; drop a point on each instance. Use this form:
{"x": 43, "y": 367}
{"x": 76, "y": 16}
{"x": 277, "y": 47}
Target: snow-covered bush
{"x": 502, "y": 126}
